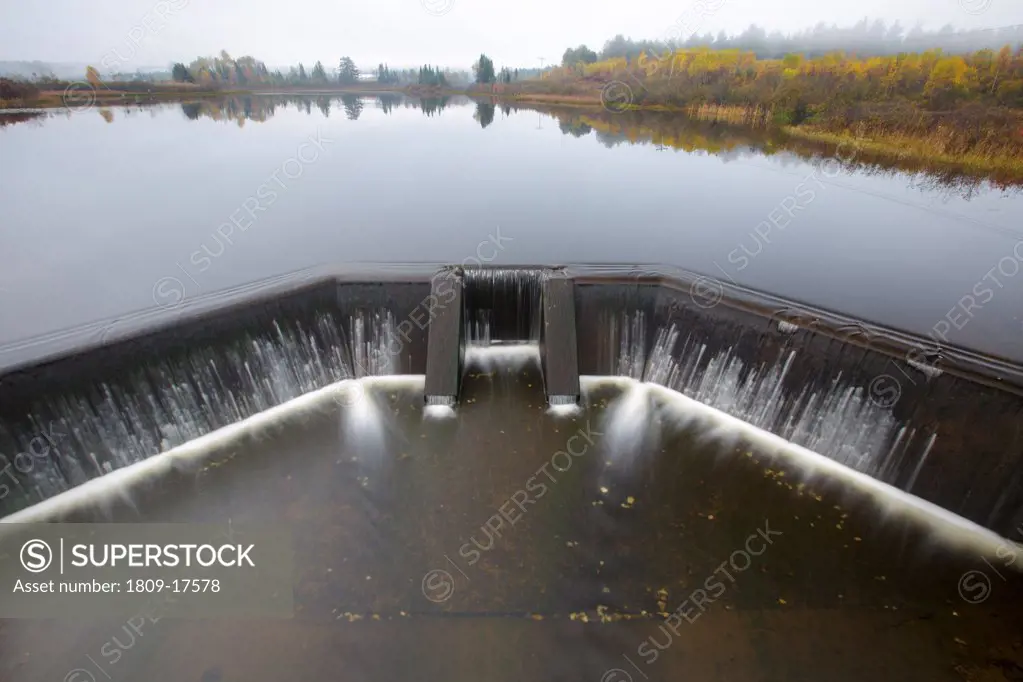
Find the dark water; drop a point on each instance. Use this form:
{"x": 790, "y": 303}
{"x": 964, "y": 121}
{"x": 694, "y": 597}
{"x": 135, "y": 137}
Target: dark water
{"x": 402, "y": 571}
{"x": 116, "y": 210}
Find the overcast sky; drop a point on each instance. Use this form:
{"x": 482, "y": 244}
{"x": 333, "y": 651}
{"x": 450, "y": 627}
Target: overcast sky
{"x": 410, "y": 32}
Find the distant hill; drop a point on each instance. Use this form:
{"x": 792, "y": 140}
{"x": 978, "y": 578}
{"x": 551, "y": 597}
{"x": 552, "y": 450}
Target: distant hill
{"x": 62, "y": 70}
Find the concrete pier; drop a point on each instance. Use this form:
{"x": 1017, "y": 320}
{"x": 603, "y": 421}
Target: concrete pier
{"x": 559, "y": 351}
{"x": 445, "y": 346}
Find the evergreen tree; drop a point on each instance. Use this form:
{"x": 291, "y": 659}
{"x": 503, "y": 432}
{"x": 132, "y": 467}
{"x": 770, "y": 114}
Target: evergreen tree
{"x": 348, "y": 72}
{"x": 180, "y": 74}
{"x": 484, "y": 70}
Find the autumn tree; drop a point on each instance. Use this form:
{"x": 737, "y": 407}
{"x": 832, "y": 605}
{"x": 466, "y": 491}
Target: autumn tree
{"x": 92, "y": 76}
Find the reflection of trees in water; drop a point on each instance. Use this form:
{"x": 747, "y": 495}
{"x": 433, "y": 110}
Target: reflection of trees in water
{"x": 237, "y": 109}
{"x": 9, "y": 119}
{"x": 323, "y": 104}
{"x": 433, "y": 105}
{"x": 574, "y": 128}
{"x": 674, "y": 131}
{"x": 388, "y": 102}
{"x": 484, "y": 113}
{"x": 609, "y": 139}
{"x": 260, "y": 108}
{"x": 353, "y": 106}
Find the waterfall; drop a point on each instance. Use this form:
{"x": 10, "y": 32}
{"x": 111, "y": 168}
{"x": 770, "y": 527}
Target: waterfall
{"x": 835, "y": 417}
{"x": 68, "y": 438}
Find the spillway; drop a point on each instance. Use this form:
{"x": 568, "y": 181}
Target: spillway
{"x": 869, "y": 398}
{"x": 588, "y": 473}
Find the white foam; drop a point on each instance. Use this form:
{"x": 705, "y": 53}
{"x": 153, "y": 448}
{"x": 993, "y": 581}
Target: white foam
{"x": 117, "y": 485}
{"x": 938, "y": 523}
{"x": 564, "y": 410}
{"x": 439, "y": 412}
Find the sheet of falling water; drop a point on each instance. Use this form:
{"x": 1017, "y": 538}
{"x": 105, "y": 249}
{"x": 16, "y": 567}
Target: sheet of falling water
{"x": 616, "y": 543}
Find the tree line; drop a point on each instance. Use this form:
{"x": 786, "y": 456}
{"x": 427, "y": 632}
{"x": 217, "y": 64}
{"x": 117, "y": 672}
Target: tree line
{"x": 226, "y": 71}
{"x": 947, "y": 107}
{"x": 805, "y": 86}
{"x": 865, "y": 38}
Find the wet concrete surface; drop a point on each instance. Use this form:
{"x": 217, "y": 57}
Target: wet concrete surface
{"x": 467, "y": 547}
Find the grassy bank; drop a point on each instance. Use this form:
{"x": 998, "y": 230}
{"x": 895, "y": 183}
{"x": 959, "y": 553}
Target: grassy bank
{"x": 965, "y": 109}
{"x": 975, "y": 142}
{"x": 924, "y": 148}
{"x": 77, "y": 95}
{"x": 713, "y": 134}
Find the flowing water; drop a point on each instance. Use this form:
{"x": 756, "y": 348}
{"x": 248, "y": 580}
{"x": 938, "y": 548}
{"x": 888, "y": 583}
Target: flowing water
{"x": 513, "y": 542}
{"x": 68, "y": 438}
{"x": 844, "y": 421}
{"x": 648, "y": 533}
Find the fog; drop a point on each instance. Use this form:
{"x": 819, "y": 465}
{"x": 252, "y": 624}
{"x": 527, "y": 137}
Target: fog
{"x": 136, "y": 34}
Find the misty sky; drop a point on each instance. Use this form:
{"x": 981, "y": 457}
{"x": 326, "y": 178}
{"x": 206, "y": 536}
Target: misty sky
{"x": 406, "y": 33}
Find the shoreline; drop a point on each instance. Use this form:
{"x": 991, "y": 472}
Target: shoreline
{"x": 894, "y": 146}
{"x": 55, "y": 99}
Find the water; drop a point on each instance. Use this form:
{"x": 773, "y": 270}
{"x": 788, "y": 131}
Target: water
{"x": 626, "y": 507}
{"x": 114, "y": 213}
{"x": 841, "y": 421}
{"x": 74, "y": 435}
{"x": 630, "y": 509}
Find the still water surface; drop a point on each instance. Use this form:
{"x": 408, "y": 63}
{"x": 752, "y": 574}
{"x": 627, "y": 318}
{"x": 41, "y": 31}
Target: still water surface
{"x": 112, "y": 211}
